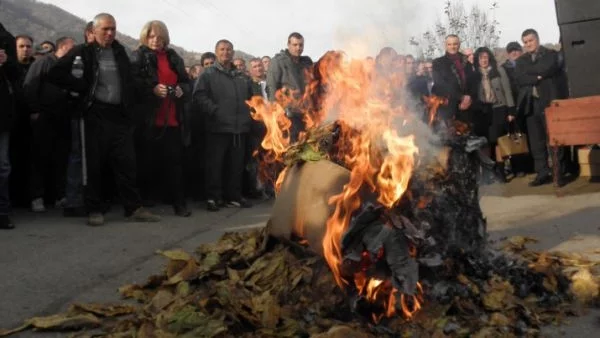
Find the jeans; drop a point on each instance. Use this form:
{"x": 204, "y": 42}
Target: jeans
{"x": 74, "y": 186}
{"x": 4, "y": 173}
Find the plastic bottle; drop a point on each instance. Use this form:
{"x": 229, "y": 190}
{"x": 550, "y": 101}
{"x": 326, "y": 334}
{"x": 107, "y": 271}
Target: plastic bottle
{"x": 77, "y": 70}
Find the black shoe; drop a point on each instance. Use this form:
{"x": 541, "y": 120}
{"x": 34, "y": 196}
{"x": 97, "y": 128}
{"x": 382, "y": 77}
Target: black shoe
{"x": 211, "y": 205}
{"x": 75, "y": 212}
{"x": 242, "y": 203}
{"x": 6, "y": 223}
{"x": 541, "y": 180}
{"x": 182, "y": 211}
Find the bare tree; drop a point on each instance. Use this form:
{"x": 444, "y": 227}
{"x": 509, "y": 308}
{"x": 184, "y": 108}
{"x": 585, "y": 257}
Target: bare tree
{"x": 476, "y": 28}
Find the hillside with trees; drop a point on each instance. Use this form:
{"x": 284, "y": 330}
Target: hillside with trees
{"x": 48, "y": 22}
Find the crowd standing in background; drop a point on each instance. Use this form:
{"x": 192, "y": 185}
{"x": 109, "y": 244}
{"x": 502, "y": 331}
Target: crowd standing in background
{"x": 85, "y": 126}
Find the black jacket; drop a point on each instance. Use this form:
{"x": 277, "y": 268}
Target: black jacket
{"x": 527, "y": 71}
{"x": 41, "y": 95}
{"x": 222, "y": 95}
{"x": 144, "y": 66}
{"x": 284, "y": 72}
{"x": 8, "y": 76}
{"x": 448, "y": 84}
{"x": 60, "y": 74}
{"x": 417, "y": 86}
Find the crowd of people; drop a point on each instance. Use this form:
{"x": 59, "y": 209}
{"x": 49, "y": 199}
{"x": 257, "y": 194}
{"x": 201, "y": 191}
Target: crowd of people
{"x": 86, "y": 125}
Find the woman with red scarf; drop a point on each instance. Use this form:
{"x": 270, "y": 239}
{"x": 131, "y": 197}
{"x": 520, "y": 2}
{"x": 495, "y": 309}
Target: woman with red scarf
{"x": 163, "y": 87}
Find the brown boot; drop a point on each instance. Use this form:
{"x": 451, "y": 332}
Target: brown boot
{"x": 143, "y": 215}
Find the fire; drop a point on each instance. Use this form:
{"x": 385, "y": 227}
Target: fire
{"x": 433, "y": 104}
{"x": 377, "y": 290}
{"x": 371, "y": 144}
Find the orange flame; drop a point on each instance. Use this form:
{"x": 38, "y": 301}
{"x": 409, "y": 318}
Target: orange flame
{"x": 433, "y": 103}
{"x": 371, "y": 144}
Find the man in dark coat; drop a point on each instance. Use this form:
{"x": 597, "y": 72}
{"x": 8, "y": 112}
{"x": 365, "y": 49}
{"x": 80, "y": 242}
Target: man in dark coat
{"x": 287, "y": 72}
{"x": 49, "y": 106}
{"x": 537, "y": 73}
{"x": 107, "y": 89}
{"x": 452, "y": 77}
{"x": 221, "y": 93}
{"x": 8, "y": 75}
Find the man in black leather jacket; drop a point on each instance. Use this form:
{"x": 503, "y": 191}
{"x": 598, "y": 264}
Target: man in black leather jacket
{"x": 108, "y": 97}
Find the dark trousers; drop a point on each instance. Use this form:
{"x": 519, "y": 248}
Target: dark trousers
{"x": 49, "y": 155}
{"x": 74, "y": 182}
{"x": 167, "y": 163}
{"x": 20, "y": 160}
{"x": 109, "y": 143}
{"x": 251, "y": 186}
{"x": 4, "y": 173}
{"x": 225, "y": 166}
{"x": 538, "y": 140}
{"x": 145, "y": 157}
{"x": 195, "y": 159}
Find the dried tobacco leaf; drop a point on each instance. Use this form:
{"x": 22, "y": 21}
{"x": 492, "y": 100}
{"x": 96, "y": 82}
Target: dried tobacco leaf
{"x": 161, "y": 300}
{"x": 176, "y": 255}
{"x": 183, "y": 289}
{"x": 268, "y": 307}
{"x": 465, "y": 281}
{"x": 499, "y": 295}
{"x": 104, "y": 310}
{"x": 499, "y": 319}
{"x": 188, "y": 271}
{"x": 200, "y": 324}
{"x": 583, "y": 286}
{"x": 518, "y": 243}
{"x": 57, "y": 322}
{"x": 133, "y": 291}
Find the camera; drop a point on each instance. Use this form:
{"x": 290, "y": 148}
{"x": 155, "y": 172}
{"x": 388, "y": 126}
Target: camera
{"x": 171, "y": 92}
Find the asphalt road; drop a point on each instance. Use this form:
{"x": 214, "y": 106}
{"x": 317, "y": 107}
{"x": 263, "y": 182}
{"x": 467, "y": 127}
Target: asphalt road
{"x": 49, "y": 262}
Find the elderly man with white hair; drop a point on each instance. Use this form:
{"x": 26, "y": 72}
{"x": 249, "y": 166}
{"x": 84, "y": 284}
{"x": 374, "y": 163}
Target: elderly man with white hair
{"x": 107, "y": 97}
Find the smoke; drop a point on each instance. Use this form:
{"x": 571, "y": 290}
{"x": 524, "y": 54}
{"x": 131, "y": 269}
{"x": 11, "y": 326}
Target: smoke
{"x": 364, "y": 27}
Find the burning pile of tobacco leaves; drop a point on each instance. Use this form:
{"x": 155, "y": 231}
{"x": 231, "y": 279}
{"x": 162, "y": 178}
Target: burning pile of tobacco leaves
{"x": 249, "y": 284}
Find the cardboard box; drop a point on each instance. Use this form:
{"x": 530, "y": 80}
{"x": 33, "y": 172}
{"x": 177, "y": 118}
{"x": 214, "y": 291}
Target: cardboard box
{"x": 589, "y": 170}
{"x": 588, "y": 156}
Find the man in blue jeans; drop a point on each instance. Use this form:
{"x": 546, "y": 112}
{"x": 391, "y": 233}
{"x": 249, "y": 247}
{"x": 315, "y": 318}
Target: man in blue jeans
{"x": 8, "y": 74}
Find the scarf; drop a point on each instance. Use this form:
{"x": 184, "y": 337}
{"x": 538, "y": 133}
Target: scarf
{"x": 486, "y": 84}
{"x": 460, "y": 68}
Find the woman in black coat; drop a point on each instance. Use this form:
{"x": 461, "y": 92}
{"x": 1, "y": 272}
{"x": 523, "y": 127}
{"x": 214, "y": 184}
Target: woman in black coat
{"x": 163, "y": 88}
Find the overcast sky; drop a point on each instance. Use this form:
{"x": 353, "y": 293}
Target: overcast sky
{"x": 260, "y": 27}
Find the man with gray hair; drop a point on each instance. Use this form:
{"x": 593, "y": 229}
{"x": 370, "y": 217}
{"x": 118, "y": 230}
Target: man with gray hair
{"x": 107, "y": 96}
